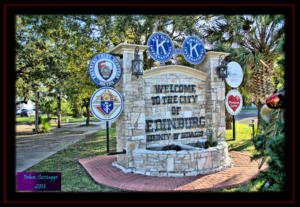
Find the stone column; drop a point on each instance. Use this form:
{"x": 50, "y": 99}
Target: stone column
{"x": 215, "y": 94}
{"x": 130, "y": 125}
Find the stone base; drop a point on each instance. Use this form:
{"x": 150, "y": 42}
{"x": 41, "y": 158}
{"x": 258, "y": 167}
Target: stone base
{"x": 190, "y": 162}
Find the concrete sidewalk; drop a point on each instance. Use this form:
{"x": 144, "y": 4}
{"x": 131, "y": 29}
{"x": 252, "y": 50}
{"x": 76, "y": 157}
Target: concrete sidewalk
{"x": 245, "y": 116}
{"x": 32, "y": 149}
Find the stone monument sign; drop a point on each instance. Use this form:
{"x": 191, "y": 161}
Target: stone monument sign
{"x": 168, "y": 114}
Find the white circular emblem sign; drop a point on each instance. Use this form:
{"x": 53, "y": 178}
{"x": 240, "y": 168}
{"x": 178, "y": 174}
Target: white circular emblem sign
{"x": 106, "y": 104}
{"x": 234, "y": 74}
{"x": 234, "y": 102}
{"x": 105, "y": 69}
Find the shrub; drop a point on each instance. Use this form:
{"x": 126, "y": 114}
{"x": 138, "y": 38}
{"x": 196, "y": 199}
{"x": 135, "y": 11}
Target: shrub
{"x": 46, "y": 125}
{"x": 211, "y": 142}
{"x": 270, "y": 143}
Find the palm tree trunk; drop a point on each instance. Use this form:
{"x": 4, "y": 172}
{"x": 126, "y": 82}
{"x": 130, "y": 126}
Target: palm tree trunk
{"x": 259, "y": 106}
{"x": 228, "y": 118}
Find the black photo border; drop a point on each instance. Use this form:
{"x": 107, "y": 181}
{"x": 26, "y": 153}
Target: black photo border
{"x": 10, "y": 196}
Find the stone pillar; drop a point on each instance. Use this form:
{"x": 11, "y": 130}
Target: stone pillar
{"x": 215, "y": 94}
{"x": 130, "y": 125}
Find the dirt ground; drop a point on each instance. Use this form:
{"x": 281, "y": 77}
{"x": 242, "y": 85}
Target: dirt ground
{"x": 26, "y": 129}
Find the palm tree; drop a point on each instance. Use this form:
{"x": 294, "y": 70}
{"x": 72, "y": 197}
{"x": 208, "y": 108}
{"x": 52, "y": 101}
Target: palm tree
{"x": 253, "y": 42}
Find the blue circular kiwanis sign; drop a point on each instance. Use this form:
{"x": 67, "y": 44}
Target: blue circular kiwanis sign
{"x": 193, "y": 50}
{"x": 160, "y": 47}
{"x": 105, "y": 69}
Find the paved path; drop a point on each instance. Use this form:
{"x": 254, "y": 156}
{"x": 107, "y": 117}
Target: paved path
{"x": 245, "y": 116}
{"x": 31, "y": 149}
{"x": 101, "y": 170}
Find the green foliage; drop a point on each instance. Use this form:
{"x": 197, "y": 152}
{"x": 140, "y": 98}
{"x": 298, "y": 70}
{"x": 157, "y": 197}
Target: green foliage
{"x": 48, "y": 106}
{"x": 211, "y": 141}
{"x": 45, "y": 125}
{"x": 65, "y": 107}
{"x": 250, "y": 39}
{"x": 270, "y": 144}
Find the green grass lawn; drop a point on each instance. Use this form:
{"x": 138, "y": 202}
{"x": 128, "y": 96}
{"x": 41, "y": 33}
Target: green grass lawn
{"x": 24, "y": 119}
{"x": 76, "y": 179}
{"x": 243, "y": 139}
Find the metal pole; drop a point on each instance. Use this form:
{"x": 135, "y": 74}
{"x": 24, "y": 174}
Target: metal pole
{"x": 107, "y": 137}
{"x": 252, "y": 125}
{"x": 233, "y": 128}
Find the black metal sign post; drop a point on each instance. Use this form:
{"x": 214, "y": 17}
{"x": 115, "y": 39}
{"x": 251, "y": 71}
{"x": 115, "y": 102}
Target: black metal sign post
{"x": 107, "y": 137}
{"x": 107, "y": 142}
{"x": 233, "y": 128}
{"x": 252, "y": 125}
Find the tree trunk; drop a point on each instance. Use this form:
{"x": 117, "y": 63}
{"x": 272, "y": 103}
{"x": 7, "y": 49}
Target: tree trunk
{"x": 259, "y": 106}
{"x": 86, "y": 103}
{"x": 228, "y": 116}
{"x": 228, "y": 120}
{"x": 37, "y": 113}
{"x": 58, "y": 111}
{"x": 87, "y": 114}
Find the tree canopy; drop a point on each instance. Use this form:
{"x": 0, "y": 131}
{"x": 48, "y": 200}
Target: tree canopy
{"x": 54, "y": 50}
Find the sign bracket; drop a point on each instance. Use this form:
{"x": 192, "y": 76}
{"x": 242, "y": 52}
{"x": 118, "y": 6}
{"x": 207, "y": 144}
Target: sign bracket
{"x": 119, "y": 55}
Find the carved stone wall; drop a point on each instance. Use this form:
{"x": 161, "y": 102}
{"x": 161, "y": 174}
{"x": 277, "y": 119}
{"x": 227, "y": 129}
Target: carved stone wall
{"x": 170, "y": 105}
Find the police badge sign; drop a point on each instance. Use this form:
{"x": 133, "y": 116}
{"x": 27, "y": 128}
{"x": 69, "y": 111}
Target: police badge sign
{"x": 106, "y": 104}
{"x": 105, "y": 69}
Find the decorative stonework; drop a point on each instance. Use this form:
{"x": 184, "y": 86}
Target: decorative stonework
{"x": 189, "y": 162}
{"x": 171, "y": 105}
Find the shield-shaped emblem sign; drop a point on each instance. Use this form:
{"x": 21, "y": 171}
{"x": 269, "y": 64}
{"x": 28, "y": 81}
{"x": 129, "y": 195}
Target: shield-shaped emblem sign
{"x": 105, "y": 69}
{"x": 107, "y": 106}
{"x": 107, "y": 103}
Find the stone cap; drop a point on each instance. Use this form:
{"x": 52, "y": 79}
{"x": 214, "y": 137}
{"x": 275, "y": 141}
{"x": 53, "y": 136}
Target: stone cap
{"x": 174, "y": 69}
{"x": 124, "y": 47}
{"x": 216, "y": 54}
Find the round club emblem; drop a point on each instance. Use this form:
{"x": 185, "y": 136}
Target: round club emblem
{"x": 106, "y": 104}
{"x": 234, "y": 102}
{"x": 193, "y": 50}
{"x": 160, "y": 47}
{"x": 105, "y": 69}
{"x": 234, "y": 74}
